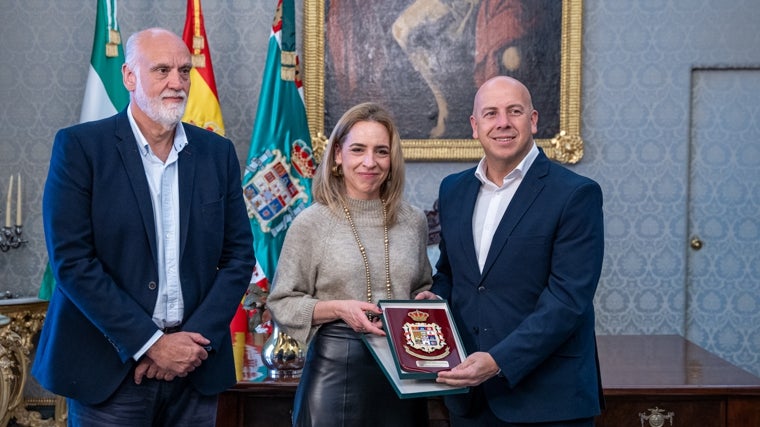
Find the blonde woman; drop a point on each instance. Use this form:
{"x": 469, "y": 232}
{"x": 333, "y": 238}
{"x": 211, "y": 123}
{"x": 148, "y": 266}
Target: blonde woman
{"x": 360, "y": 242}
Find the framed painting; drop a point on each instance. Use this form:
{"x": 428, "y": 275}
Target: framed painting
{"x": 425, "y": 59}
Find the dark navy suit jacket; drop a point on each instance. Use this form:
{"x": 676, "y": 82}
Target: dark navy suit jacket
{"x": 101, "y": 241}
{"x": 532, "y": 307}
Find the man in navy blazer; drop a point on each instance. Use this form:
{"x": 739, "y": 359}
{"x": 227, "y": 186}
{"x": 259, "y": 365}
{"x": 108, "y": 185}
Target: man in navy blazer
{"x": 149, "y": 241}
{"x": 521, "y": 247}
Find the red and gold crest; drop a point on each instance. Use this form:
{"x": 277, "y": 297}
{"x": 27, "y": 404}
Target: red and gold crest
{"x": 424, "y": 340}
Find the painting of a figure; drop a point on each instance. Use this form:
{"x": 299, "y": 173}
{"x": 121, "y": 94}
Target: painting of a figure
{"x": 425, "y": 59}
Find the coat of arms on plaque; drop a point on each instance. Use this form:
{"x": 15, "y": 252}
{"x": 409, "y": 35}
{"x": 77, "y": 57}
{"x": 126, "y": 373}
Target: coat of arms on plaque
{"x": 424, "y": 340}
{"x": 421, "y": 337}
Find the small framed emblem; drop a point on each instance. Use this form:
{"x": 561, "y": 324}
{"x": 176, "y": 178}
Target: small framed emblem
{"x": 422, "y": 336}
{"x": 421, "y": 340}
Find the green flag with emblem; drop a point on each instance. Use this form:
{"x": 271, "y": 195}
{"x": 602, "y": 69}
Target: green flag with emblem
{"x": 280, "y": 165}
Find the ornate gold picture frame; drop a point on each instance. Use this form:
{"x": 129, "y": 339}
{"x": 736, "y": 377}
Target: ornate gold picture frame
{"x": 566, "y": 144}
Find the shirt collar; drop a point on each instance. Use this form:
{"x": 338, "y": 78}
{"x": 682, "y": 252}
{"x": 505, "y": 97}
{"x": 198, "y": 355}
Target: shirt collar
{"x": 519, "y": 171}
{"x": 180, "y": 138}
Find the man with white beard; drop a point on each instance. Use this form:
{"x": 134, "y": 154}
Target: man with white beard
{"x": 149, "y": 241}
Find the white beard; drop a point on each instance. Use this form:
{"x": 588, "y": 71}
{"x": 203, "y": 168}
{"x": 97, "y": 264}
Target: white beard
{"x": 166, "y": 116}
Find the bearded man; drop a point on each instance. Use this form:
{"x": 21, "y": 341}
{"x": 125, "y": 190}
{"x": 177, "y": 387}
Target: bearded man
{"x": 150, "y": 245}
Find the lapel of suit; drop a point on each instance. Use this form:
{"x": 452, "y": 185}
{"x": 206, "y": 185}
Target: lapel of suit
{"x": 127, "y": 147}
{"x": 471, "y": 187}
{"x": 186, "y": 162}
{"x": 524, "y": 197}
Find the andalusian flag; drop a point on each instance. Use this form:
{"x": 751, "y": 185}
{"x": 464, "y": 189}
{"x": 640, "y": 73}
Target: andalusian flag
{"x": 203, "y": 108}
{"x": 104, "y": 93}
{"x": 280, "y": 166}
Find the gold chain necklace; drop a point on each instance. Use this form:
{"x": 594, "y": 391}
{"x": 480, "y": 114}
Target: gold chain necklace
{"x": 364, "y": 252}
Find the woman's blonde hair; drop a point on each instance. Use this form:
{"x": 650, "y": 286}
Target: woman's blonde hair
{"x": 330, "y": 189}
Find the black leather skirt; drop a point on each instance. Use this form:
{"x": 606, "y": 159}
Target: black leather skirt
{"x": 342, "y": 385}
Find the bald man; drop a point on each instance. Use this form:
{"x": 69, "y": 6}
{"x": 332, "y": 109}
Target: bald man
{"x": 522, "y": 243}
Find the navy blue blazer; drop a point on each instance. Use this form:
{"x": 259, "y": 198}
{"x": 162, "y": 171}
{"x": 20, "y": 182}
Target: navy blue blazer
{"x": 100, "y": 236}
{"x": 532, "y": 307}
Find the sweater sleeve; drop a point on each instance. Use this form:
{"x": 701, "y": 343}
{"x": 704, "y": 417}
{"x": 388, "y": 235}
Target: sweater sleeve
{"x": 292, "y": 300}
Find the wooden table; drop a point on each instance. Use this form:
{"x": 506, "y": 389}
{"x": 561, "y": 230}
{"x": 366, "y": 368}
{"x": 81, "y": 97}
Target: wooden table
{"x": 667, "y": 372}
{"x": 639, "y": 373}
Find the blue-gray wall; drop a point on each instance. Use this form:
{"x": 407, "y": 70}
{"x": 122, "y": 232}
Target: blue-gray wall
{"x": 651, "y": 69}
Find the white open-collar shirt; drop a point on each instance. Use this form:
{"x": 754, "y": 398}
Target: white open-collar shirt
{"x": 493, "y": 201}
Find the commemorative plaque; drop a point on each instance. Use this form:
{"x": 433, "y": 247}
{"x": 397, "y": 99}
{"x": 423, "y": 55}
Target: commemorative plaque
{"x": 421, "y": 340}
{"x": 423, "y": 337}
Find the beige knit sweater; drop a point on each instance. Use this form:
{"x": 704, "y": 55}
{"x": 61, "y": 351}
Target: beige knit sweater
{"x": 320, "y": 261}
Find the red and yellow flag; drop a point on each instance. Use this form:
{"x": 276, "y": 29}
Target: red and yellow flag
{"x": 203, "y": 109}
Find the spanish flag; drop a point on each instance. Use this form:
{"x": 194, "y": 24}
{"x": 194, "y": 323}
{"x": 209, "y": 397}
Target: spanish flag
{"x": 203, "y": 109}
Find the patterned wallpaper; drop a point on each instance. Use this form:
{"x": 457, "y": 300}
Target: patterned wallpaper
{"x": 646, "y": 112}
{"x": 669, "y": 117}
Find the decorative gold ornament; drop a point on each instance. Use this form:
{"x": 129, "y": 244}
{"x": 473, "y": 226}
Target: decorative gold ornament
{"x": 19, "y": 323}
{"x": 114, "y": 37}
{"x": 318, "y": 145}
{"x": 112, "y": 46}
{"x": 198, "y": 42}
{"x": 566, "y": 148}
{"x": 282, "y": 355}
{"x": 199, "y": 61}
{"x": 418, "y": 316}
{"x": 288, "y": 66}
{"x": 656, "y": 417}
{"x": 112, "y": 50}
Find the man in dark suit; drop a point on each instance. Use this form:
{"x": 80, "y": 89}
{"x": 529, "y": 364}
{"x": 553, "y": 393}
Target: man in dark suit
{"x": 151, "y": 248}
{"x": 522, "y": 244}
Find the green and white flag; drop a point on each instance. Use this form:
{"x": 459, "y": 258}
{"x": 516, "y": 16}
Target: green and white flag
{"x": 280, "y": 165}
{"x": 104, "y": 94}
